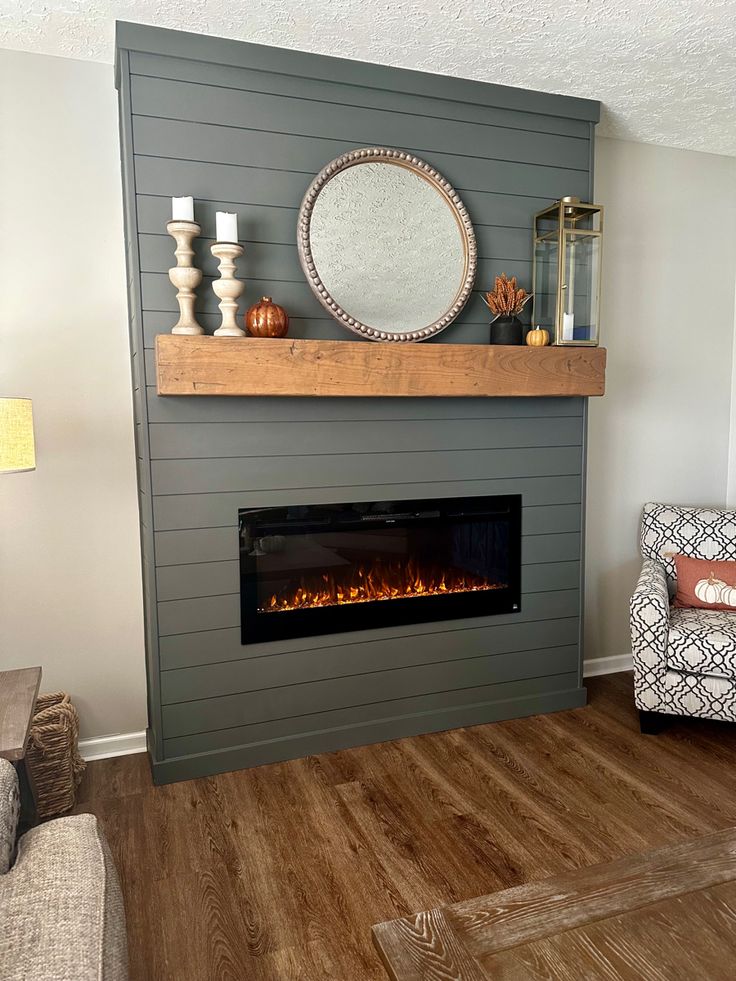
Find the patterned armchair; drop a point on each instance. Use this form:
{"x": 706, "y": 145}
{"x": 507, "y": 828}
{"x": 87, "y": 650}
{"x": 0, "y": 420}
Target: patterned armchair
{"x": 684, "y": 660}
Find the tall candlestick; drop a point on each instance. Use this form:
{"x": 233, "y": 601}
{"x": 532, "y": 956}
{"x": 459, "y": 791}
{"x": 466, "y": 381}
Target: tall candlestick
{"x": 227, "y": 287}
{"x": 182, "y": 209}
{"x": 226, "y": 226}
{"x": 185, "y": 275}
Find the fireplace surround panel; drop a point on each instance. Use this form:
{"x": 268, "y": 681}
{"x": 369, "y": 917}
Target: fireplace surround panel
{"x": 263, "y": 121}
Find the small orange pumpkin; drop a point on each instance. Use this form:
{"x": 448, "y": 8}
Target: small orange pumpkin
{"x": 267, "y": 319}
{"x": 539, "y": 337}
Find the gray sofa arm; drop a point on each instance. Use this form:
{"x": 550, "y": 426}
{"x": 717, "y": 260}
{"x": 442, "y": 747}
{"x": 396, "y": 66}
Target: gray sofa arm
{"x": 62, "y": 908}
{"x": 649, "y": 621}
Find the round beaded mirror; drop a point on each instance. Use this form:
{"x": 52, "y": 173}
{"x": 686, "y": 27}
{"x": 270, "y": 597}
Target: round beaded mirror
{"x": 387, "y": 245}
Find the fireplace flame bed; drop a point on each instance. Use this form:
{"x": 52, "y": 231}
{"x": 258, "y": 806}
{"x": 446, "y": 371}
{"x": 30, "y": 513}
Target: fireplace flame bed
{"x": 382, "y": 582}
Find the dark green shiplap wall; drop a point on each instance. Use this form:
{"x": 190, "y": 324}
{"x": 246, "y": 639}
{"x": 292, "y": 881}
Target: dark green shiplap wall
{"x": 245, "y": 128}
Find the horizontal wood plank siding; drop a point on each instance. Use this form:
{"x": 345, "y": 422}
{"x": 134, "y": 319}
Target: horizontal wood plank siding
{"x": 245, "y": 128}
{"x": 213, "y": 440}
{"x": 315, "y": 89}
{"x": 471, "y": 637}
{"x": 355, "y": 410}
{"x": 187, "y": 476}
{"x": 198, "y": 123}
{"x": 284, "y": 701}
{"x": 255, "y": 674}
{"x": 217, "y": 125}
{"x": 177, "y": 511}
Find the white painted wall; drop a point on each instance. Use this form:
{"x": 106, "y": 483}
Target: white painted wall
{"x": 662, "y": 431}
{"x": 70, "y": 593}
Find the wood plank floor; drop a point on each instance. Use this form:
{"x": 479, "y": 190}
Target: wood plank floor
{"x": 278, "y": 873}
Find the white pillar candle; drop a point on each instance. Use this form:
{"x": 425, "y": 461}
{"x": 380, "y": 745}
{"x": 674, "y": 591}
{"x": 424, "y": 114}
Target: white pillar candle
{"x": 226, "y": 226}
{"x": 182, "y": 209}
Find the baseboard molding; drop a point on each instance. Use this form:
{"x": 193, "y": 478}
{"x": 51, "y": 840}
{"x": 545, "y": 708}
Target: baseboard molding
{"x": 103, "y": 747}
{"x": 607, "y": 665}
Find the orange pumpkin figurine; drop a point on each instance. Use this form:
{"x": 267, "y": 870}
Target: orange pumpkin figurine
{"x": 267, "y": 319}
{"x": 539, "y": 337}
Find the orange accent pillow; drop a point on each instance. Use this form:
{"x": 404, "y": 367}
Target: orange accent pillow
{"x": 705, "y": 585}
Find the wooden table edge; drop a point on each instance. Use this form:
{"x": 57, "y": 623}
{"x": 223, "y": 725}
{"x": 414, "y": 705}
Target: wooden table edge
{"x": 662, "y": 873}
{"x": 18, "y": 753}
{"x": 439, "y": 950}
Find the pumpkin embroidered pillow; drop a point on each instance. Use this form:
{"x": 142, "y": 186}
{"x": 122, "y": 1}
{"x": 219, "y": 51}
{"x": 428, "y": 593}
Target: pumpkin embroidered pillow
{"x": 705, "y": 585}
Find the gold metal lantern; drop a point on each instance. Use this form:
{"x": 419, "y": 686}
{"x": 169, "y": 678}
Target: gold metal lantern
{"x": 568, "y": 236}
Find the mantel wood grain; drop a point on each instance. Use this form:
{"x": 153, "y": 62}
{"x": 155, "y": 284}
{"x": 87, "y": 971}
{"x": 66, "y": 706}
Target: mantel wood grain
{"x": 271, "y": 366}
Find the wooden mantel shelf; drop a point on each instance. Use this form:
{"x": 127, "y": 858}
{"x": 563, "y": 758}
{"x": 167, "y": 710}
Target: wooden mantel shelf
{"x": 270, "y": 366}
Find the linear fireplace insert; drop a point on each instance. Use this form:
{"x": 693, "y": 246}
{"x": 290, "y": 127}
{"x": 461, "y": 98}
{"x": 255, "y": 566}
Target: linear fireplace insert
{"x": 327, "y": 568}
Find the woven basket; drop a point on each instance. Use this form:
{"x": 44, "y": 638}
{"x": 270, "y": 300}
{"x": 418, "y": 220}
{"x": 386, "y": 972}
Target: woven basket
{"x": 53, "y": 756}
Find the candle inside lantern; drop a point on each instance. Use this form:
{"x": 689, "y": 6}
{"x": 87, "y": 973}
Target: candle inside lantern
{"x": 226, "y": 226}
{"x": 182, "y": 209}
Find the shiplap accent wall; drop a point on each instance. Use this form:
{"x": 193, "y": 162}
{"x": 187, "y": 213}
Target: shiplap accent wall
{"x": 245, "y": 128}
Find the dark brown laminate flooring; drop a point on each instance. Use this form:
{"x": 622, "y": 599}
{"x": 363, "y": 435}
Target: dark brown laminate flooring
{"x": 279, "y": 872}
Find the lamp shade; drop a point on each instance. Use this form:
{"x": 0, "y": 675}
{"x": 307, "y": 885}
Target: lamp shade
{"x": 17, "y": 448}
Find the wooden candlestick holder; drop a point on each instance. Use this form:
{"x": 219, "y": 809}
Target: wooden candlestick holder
{"x": 184, "y": 275}
{"x": 228, "y": 288}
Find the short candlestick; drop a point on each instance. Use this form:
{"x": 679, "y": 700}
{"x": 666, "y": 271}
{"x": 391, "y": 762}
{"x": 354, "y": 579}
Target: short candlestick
{"x": 184, "y": 275}
{"x": 228, "y": 288}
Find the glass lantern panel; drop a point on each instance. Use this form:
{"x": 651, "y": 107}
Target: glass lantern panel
{"x": 546, "y": 265}
{"x": 580, "y": 290}
{"x": 547, "y": 224}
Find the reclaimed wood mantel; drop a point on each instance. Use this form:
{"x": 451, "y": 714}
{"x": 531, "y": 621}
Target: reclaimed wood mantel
{"x": 257, "y": 366}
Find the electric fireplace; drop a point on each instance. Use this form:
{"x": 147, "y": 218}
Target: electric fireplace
{"x": 324, "y": 568}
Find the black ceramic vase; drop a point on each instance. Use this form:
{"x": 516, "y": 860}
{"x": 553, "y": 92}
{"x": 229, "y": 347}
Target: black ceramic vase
{"x": 507, "y": 330}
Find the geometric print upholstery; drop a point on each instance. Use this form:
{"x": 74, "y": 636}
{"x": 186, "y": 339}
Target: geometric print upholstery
{"x": 649, "y": 619}
{"x": 703, "y": 642}
{"x": 701, "y": 533}
{"x": 684, "y": 660}
{"x": 702, "y": 697}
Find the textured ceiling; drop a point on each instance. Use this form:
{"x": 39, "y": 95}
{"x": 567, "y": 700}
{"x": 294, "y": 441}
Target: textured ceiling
{"x": 665, "y": 70}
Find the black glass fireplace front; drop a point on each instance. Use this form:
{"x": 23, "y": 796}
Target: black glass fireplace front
{"x": 324, "y": 568}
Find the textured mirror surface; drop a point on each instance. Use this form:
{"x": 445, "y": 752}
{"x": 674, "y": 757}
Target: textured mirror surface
{"x": 387, "y": 246}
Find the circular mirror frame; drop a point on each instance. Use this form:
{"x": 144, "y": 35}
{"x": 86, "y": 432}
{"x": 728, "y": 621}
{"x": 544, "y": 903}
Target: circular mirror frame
{"x": 422, "y": 169}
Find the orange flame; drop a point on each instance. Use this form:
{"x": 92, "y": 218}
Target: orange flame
{"x": 394, "y": 580}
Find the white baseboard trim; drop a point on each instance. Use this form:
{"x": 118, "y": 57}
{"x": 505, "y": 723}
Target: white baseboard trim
{"x": 607, "y": 665}
{"x": 103, "y": 747}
